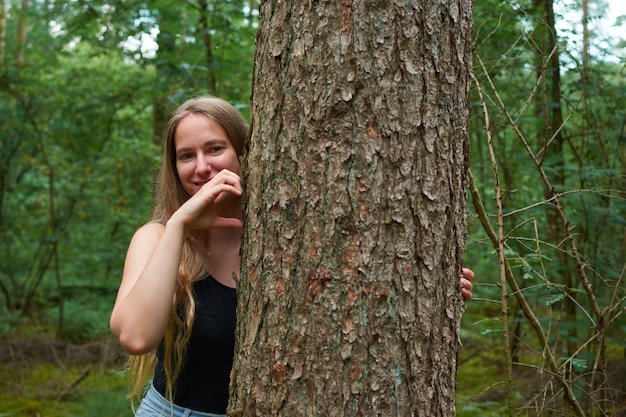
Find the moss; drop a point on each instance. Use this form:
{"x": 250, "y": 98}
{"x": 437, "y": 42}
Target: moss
{"x": 36, "y": 389}
{"x": 104, "y": 395}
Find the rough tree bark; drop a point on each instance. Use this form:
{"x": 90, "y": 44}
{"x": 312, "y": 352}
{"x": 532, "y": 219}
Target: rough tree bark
{"x": 349, "y": 299}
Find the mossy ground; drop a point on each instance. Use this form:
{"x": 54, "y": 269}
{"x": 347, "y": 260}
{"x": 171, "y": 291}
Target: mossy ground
{"x": 486, "y": 387}
{"x": 71, "y": 385}
{"x": 45, "y": 378}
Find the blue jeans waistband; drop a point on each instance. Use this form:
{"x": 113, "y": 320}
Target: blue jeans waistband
{"x": 154, "y": 404}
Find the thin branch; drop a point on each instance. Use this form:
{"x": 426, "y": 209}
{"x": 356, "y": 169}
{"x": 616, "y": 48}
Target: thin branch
{"x": 507, "y": 272}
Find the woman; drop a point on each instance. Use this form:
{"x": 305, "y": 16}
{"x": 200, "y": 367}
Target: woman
{"x": 182, "y": 267}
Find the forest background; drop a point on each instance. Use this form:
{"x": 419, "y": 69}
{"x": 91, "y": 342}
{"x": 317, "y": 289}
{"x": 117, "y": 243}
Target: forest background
{"x": 85, "y": 89}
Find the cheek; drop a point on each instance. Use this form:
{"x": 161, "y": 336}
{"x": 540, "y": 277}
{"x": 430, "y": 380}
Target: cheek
{"x": 235, "y": 164}
{"x": 228, "y": 161}
{"x": 184, "y": 172}
{"x": 237, "y": 168}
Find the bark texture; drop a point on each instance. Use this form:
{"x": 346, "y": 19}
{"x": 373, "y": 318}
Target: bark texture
{"x": 349, "y": 299}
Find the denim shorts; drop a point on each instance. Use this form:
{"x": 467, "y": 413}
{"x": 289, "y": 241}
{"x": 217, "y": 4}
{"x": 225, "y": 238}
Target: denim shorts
{"x": 154, "y": 405}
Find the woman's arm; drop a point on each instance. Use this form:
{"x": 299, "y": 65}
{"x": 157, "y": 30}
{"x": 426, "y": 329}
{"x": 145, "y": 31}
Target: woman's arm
{"x": 144, "y": 299}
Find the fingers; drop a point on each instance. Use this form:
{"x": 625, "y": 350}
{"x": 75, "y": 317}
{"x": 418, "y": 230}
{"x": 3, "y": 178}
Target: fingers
{"x": 466, "y": 289}
{"x": 211, "y": 192}
{"x": 224, "y": 181}
{"x": 467, "y": 275}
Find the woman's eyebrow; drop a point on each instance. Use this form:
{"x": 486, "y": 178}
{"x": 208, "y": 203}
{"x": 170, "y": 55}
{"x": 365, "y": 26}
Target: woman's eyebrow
{"x": 215, "y": 140}
{"x": 182, "y": 150}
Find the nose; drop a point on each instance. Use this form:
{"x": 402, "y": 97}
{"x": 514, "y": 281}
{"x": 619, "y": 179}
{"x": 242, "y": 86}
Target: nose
{"x": 203, "y": 167}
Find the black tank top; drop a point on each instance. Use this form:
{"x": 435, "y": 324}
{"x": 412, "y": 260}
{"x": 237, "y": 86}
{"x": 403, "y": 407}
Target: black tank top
{"x": 204, "y": 378}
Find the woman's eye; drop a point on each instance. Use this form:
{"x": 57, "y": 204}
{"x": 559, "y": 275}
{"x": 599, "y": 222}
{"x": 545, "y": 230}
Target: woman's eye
{"x": 216, "y": 149}
{"x": 185, "y": 157}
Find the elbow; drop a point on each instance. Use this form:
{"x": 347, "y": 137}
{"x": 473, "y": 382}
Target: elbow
{"x": 133, "y": 342}
{"x": 136, "y": 349}
{"x": 136, "y": 345}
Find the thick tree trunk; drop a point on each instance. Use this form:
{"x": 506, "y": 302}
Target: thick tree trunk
{"x": 349, "y": 300}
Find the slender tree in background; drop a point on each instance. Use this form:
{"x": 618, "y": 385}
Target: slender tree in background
{"x": 167, "y": 64}
{"x": 550, "y": 144}
{"x": 355, "y": 215}
{"x": 3, "y": 26}
{"x": 203, "y": 47}
{"x": 22, "y": 30}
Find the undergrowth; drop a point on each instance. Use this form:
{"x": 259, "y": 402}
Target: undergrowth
{"x": 51, "y": 390}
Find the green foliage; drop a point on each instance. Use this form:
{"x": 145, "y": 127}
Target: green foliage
{"x": 70, "y": 190}
{"x": 549, "y": 172}
{"x": 85, "y": 314}
{"x": 81, "y": 112}
{"x": 204, "y": 47}
{"x": 78, "y": 126}
{"x": 79, "y": 122}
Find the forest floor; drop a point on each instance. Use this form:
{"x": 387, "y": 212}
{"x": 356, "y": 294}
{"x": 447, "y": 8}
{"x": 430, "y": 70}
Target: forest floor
{"x": 47, "y": 377}
{"x": 104, "y": 352}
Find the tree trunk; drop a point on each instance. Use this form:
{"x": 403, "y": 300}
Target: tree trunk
{"x": 166, "y": 70}
{"x": 21, "y": 33}
{"x": 584, "y": 5}
{"x": 205, "y": 31}
{"x": 349, "y": 299}
{"x": 552, "y": 139}
{"x": 3, "y": 31}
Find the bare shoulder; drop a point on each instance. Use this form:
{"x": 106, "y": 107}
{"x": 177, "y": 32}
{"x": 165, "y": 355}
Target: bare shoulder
{"x": 144, "y": 241}
{"x": 152, "y": 228}
{"x": 141, "y": 247}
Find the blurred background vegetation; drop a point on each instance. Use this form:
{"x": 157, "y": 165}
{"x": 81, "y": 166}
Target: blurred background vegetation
{"x": 86, "y": 87}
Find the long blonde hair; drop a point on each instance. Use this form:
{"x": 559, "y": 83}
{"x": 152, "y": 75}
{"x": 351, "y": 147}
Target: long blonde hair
{"x": 169, "y": 195}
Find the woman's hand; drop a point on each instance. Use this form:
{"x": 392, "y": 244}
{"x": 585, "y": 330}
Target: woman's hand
{"x": 467, "y": 275}
{"x": 210, "y": 207}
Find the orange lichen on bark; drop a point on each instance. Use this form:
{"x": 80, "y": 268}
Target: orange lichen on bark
{"x": 346, "y": 13}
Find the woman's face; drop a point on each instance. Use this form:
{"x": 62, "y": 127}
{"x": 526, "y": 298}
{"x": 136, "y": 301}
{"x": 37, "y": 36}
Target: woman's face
{"x": 202, "y": 150}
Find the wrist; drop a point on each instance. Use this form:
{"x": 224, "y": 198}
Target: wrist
{"x": 176, "y": 225}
